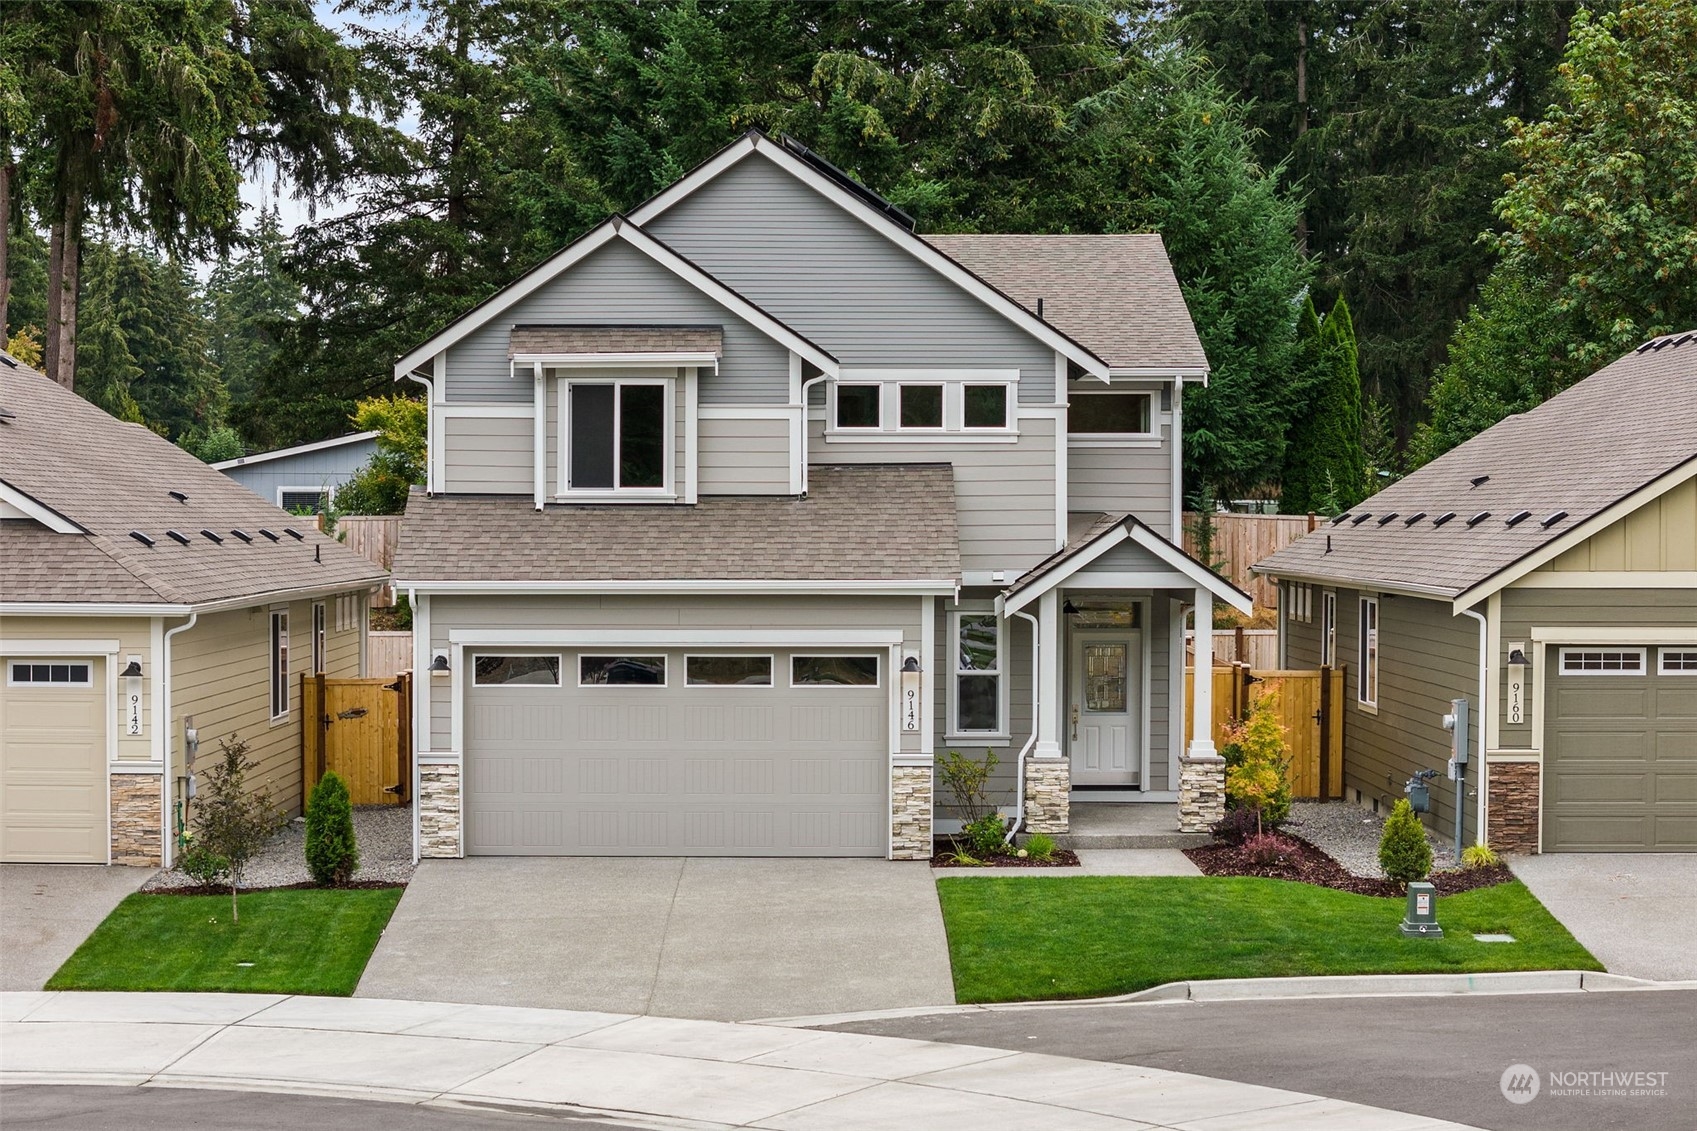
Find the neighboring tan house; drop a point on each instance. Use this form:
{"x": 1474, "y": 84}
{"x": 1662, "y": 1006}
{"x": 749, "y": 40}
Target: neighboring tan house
{"x": 141, "y": 590}
{"x": 745, "y": 507}
{"x": 306, "y": 476}
{"x": 1546, "y": 569}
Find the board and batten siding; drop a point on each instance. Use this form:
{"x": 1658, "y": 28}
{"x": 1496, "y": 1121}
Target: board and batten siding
{"x": 486, "y": 455}
{"x": 1626, "y": 609}
{"x": 1111, "y": 480}
{"x": 684, "y": 614}
{"x": 134, "y": 636}
{"x": 617, "y": 285}
{"x": 1661, "y": 535}
{"x": 839, "y": 282}
{"x": 1004, "y": 493}
{"x": 221, "y": 678}
{"x": 325, "y": 469}
{"x": 743, "y": 456}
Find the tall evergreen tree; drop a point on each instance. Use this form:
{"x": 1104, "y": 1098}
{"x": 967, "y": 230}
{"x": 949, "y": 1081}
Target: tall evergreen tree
{"x": 251, "y": 298}
{"x": 1325, "y": 466}
{"x": 109, "y": 369}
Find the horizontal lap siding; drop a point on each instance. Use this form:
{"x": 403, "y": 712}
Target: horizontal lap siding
{"x": 743, "y": 456}
{"x": 135, "y": 638}
{"x": 1159, "y": 629}
{"x": 1302, "y": 641}
{"x": 619, "y": 285}
{"x": 487, "y": 455}
{"x": 840, "y": 282}
{"x": 1139, "y": 480}
{"x": 327, "y": 468}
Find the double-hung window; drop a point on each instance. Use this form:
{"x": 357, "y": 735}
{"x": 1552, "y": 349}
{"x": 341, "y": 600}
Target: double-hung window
{"x": 279, "y": 664}
{"x": 1367, "y": 654}
{"x": 618, "y": 436}
{"x": 1328, "y": 629}
{"x": 959, "y": 404}
{"x": 978, "y": 674}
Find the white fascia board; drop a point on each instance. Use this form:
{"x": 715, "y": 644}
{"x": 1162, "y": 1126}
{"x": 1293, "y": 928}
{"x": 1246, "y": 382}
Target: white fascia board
{"x": 15, "y": 647}
{"x": 675, "y": 637}
{"x": 1106, "y": 541}
{"x": 931, "y": 376}
{"x": 617, "y": 360}
{"x": 92, "y": 609}
{"x": 822, "y": 587}
{"x": 1338, "y": 581}
{"x": 1200, "y": 574}
{"x": 884, "y": 226}
{"x": 1158, "y": 373}
{"x": 1597, "y": 523}
{"x": 1590, "y": 635}
{"x": 298, "y": 449}
{"x": 40, "y": 512}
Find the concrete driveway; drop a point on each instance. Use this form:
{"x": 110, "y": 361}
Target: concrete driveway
{"x": 713, "y": 939}
{"x": 1636, "y": 911}
{"x": 47, "y": 910}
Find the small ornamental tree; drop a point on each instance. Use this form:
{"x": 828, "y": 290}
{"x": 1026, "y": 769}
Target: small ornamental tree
{"x": 332, "y": 854}
{"x": 1404, "y": 853}
{"x": 1260, "y": 778}
{"x": 232, "y": 820}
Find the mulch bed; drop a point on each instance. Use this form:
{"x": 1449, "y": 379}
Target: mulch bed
{"x": 1308, "y": 865}
{"x": 204, "y": 889}
{"x": 1063, "y": 858}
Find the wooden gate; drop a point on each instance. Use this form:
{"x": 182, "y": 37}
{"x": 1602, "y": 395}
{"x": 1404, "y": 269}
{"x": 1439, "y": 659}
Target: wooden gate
{"x": 1309, "y": 707}
{"x": 362, "y": 729}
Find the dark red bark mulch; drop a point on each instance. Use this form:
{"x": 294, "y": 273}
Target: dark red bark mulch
{"x": 203, "y": 889}
{"x": 1308, "y": 865}
{"x": 1063, "y": 858}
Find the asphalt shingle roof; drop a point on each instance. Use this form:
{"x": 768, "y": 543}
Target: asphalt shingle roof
{"x": 110, "y": 478}
{"x": 866, "y": 522}
{"x": 1116, "y": 295}
{"x": 1623, "y": 427}
{"x": 616, "y": 339}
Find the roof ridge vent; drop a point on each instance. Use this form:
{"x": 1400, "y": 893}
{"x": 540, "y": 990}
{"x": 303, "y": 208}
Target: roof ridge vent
{"x": 1361, "y": 518}
{"x": 1480, "y": 480}
{"x": 1414, "y": 518}
{"x": 211, "y": 536}
{"x": 1339, "y": 518}
{"x": 178, "y": 495}
{"x": 1443, "y": 518}
{"x": 179, "y": 539}
{"x": 268, "y": 534}
{"x": 1478, "y": 518}
{"x": 241, "y": 534}
{"x": 142, "y": 538}
{"x": 1517, "y": 518}
{"x": 1387, "y": 519}
{"x": 293, "y": 533}
{"x": 1553, "y": 519}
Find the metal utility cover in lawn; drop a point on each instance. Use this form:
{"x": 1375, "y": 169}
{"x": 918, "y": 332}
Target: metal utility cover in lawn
{"x": 1420, "y": 921}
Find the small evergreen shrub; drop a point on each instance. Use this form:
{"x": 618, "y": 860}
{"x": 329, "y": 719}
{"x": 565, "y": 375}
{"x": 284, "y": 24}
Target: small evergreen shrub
{"x": 1480, "y": 856}
{"x": 1404, "y": 852}
{"x": 987, "y": 836}
{"x": 1040, "y": 846}
{"x": 332, "y": 854}
{"x": 202, "y": 865}
{"x": 1265, "y": 849}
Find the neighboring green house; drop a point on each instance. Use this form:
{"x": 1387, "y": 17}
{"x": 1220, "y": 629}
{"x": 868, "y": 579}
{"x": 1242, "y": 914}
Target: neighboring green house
{"x": 1564, "y": 537}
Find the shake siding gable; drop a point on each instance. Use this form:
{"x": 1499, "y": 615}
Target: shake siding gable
{"x": 618, "y": 285}
{"x": 798, "y": 256}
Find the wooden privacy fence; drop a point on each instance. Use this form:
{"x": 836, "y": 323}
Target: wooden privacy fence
{"x": 1257, "y": 647}
{"x": 362, "y": 729}
{"x": 1241, "y": 540}
{"x": 387, "y": 654}
{"x": 372, "y": 537}
{"x": 1309, "y": 707}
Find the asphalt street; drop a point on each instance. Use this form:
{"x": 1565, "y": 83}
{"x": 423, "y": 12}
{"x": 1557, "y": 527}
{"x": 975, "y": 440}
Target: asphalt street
{"x": 1437, "y": 1056}
{"x": 60, "y": 1108}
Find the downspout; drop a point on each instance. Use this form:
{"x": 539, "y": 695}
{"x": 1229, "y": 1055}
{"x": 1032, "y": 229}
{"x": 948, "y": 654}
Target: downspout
{"x": 168, "y": 853}
{"x": 1025, "y": 751}
{"x": 805, "y": 386}
{"x": 1461, "y": 779}
{"x": 418, "y": 733}
{"x": 429, "y": 430}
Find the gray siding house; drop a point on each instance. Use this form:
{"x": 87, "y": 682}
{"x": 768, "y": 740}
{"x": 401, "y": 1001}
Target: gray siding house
{"x": 306, "y": 476}
{"x": 1546, "y": 571}
{"x": 745, "y": 507}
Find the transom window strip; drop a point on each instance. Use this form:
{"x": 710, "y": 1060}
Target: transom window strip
{"x": 1679, "y": 661}
{"x": 1621, "y": 661}
{"x": 52, "y": 672}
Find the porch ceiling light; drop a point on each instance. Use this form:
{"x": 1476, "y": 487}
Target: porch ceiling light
{"x": 1069, "y": 608}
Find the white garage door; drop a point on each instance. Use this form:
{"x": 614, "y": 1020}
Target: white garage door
{"x": 662, "y": 752}
{"x": 53, "y": 761}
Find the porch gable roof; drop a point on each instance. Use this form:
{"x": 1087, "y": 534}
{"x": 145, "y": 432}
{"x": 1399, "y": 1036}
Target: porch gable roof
{"x": 1101, "y": 536}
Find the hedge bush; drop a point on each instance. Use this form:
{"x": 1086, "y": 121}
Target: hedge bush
{"x": 332, "y": 854}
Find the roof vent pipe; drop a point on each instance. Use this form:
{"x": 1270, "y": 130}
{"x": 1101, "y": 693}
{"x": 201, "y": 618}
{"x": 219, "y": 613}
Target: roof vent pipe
{"x": 1039, "y": 309}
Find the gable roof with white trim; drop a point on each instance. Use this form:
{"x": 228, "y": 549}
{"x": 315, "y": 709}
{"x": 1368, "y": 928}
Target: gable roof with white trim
{"x": 296, "y": 450}
{"x": 1097, "y": 539}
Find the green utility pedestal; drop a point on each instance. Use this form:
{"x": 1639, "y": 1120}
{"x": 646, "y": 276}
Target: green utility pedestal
{"x": 1421, "y": 919}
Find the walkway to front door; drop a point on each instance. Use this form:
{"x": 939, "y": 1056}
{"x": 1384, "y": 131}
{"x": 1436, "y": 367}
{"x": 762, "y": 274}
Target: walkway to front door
{"x": 712, "y": 938}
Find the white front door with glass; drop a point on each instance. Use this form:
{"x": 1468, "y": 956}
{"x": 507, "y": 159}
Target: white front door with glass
{"x": 1103, "y": 709}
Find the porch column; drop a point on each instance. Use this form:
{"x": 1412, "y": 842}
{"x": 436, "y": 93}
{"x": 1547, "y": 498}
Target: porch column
{"x": 1201, "y": 771}
{"x": 1048, "y": 775}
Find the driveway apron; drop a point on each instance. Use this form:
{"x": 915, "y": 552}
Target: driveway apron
{"x": 1635, "y": 911}
{"x": 47, "y": 910}
{"x": 716, "y": 939}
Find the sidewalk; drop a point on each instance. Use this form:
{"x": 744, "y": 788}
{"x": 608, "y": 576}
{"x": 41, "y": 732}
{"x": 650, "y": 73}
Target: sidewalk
{"x": 713, "y": 1074}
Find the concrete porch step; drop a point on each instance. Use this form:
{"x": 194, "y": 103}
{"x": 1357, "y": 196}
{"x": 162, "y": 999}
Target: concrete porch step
{"x": 1173, "y": 839}
{"x": 1126, "y": 825}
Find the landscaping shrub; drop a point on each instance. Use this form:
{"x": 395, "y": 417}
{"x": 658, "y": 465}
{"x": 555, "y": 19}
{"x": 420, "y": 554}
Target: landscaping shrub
{"x": 968, "y": 780}
{"x": 1480, "y": 856}
{"x": 1040, "y": 846}
{"x": 332, "y": 853}
{"x": 201, "y": 864}
{"x": 232, "y": 820}
{"x": 987, "y": 836}
{"x": 1264, "y": 849}
{"x": 1237, "y": 826}
{"x": 1404, "y": 852}
{"x": 1261, "y": 779}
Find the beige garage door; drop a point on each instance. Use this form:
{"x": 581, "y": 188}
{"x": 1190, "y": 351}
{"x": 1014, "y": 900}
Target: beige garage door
{"x": 1620, "y": 750}
{"x": 661, "y": 752}
{"x": 53, "y": 761}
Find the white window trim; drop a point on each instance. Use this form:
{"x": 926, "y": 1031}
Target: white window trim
{"x": 68, "y": 660}
{"x": 1150, "y": 438}
{"x": 559, "y": 678}
{"x": 771, "y": 661}
{"x": 1369, "y": 643}
{"x": 890, "y": 383}
{"x": 878, "y": 658}
{"x": 324, "y": 490}
{"x": 320, "y": 638}
{"x": 1642, "y": 670}
{"x": 668, "y": 488}
{"x": 620, "y": 653}
{"x": 1662, "y": 661}
{"x": 1329, "y": 628}
{"x": 277, "y": 642}
{"x": 954, "y": 731}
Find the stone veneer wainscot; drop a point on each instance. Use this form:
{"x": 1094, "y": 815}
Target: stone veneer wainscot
{"x": 1048, "y": 789}
{"x": 1201, "y": 792}
{"x": 1512, "y": 817}
{"x": 439, "y": 810}
{"x": 910, "y": 813}
{"x": 137, "y": 836}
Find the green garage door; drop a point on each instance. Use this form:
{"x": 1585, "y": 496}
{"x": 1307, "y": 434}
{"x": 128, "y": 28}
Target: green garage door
{"x": 1620, "y": 750}
{"x": 662, "y": 752}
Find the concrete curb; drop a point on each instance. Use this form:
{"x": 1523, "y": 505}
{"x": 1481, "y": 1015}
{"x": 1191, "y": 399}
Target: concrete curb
{"x": 1275, "y": 989}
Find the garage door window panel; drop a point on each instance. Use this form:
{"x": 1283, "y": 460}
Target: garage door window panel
{"x": 515, "y": 671}
{"x": 49, "y": 673}
{"x": 728, "y": 671}
{"x": 1678, "y": 661}
{"x": 621, "y": 671}
{"x": 833, "y": 671}
{"x": 1602, "y": 662}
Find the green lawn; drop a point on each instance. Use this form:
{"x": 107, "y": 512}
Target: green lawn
{"x": 1022, "y": 938}
{"x": 301, "y": 941}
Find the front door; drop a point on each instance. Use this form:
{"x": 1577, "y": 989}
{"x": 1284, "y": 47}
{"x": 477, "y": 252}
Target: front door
{"x": 1103, "y": 709}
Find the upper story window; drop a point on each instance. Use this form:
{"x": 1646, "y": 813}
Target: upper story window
{"x": 618, "y": 436}
{"x": 1111, "y": 414}
{"x": 959, "y": 404}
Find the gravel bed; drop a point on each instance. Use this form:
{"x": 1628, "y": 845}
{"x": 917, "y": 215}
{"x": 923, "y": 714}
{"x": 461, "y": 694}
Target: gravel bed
{"x": 384, "y": 834}
{"x": 1349, "y": 834}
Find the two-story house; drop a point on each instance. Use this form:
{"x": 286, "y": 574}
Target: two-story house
{"x": 744, "y": 507}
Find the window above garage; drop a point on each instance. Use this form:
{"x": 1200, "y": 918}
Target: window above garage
{"x": 617, "y": 437}
{"x": 920, "y": 405}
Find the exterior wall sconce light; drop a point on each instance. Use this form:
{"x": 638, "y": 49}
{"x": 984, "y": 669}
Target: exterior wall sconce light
{"x": 439, "y": 665}
{"x": 1517, "y": 655}
{"x": 133, "y": 670}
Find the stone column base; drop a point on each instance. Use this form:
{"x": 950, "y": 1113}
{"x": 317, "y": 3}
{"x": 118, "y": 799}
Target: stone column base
{"x": 1048, "y": 791}
{"x": 137, "y": 839}
{"x": 439, "y": 810}
{"x": 1512, "y": 815}
{"x": 1201, "y": 792}
{"x": 910, "y": 812}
